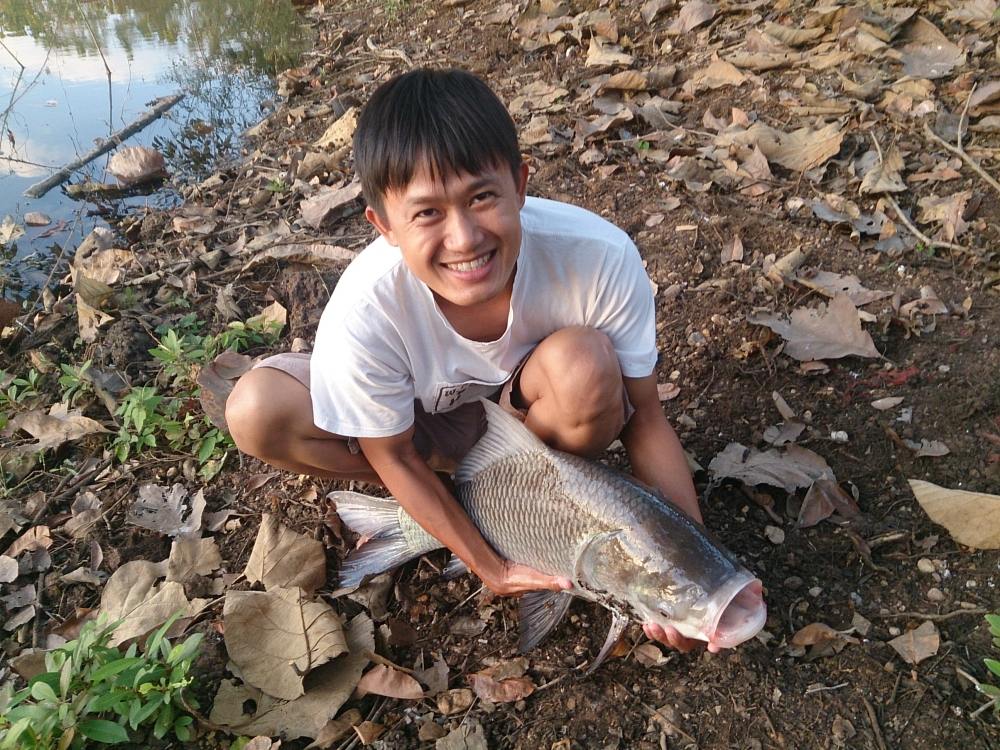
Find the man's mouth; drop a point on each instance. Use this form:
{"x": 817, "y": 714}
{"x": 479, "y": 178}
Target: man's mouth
{"x": 471, "y": 265}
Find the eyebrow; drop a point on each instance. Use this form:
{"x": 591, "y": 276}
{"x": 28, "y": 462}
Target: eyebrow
{"x": 477, "y": 184}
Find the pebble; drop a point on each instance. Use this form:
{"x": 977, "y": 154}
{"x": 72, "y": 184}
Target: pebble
{"x": 935, "y": 595}
{"x": 793, "y": 582}
{"x": 815, "y": 591}
{"x": 36, "y": 219}
{"x": 774, "y": 534}
{"x": 839, "y": 436}
{"x": 894, "y": 631}
{"x": 925, "y": 566}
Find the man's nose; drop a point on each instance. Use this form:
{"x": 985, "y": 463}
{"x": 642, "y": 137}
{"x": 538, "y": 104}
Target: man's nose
{"x": 462, "y": 231}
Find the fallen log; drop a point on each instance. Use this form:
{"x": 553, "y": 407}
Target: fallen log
{"x": 155, "y": 112}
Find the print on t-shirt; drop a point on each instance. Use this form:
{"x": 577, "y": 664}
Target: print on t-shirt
{"x": 448, "y": 395}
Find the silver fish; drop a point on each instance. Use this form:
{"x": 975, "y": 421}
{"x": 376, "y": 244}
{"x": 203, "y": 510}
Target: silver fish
{"x": 621, "y": 544}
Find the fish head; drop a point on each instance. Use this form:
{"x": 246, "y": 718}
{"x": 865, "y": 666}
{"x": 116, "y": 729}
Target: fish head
{"x": 711, "y": 599}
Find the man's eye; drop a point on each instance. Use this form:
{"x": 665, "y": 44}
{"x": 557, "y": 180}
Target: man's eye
{"x": 485, "y": 195}
{"x": 427, "y": 213}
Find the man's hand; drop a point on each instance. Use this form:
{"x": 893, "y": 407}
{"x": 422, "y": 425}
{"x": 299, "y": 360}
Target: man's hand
{"x": 669, "y": 636}
{"x": 513, "y": 579}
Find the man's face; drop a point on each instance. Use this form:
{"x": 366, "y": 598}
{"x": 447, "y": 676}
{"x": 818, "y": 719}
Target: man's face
{"x": 460, "y": 235}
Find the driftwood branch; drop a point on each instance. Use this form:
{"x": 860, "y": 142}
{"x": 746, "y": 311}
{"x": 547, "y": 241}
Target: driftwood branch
{"x": 41, "y": 188}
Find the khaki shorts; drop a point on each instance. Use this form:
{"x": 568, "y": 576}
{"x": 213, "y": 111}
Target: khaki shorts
{"x": 450, "y": 434}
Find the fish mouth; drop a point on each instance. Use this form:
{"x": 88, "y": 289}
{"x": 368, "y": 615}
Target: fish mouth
{"x": 741, "y": 612}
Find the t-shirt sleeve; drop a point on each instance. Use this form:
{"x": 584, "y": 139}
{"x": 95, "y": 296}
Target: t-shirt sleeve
{"x": 360, "y": 382}
{"x": 624, "y": 309}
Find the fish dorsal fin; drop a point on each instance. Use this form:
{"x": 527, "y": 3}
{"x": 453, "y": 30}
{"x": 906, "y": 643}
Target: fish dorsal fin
{"x": 539, "y": 612}
{"x": 505, "y": 436}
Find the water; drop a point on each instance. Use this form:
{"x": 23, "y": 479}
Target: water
{"x": 57, "y": 96}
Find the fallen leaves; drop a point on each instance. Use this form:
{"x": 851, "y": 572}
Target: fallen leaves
{"x": 283, "y": 558}
{"x": 692, "y": 14}
{"x": 384, "y": 680}
{"x": 827, "y": 332}
{"x": 972, "y": 518}
{"x": 918, "y": 644}
{"x": 165, "y": 510}
{"x": 791, "y": 467}
{"x": 134, "y": 165}
{"x": 276, "y": 638}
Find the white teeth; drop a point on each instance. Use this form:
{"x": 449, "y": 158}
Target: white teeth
{"x": 471, "y": 265}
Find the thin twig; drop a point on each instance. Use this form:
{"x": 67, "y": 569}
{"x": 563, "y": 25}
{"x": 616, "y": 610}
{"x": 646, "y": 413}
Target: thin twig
{"x": 873, "y": 719}
{"x": 920, "y": 235}
{"x": 929, "y": 616}
{"x": 960, "y": 152}
{"x": 107, "y": 68}
{"x": 965, "y": 112}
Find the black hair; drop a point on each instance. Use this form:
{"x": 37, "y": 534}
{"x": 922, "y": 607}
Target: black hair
{"x": 449, "y": 120}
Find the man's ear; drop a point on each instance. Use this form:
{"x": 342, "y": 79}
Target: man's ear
{"x": 522, "y": 182}
{"x": 381, "y": 224}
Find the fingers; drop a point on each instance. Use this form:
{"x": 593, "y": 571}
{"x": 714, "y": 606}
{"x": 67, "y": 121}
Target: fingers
{"x": 519, "y": 579}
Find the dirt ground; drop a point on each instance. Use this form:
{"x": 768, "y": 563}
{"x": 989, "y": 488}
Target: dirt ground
{"x": 768, "y": 693}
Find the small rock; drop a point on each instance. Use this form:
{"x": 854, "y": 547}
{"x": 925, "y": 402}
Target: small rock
{"x": 793, "y": 582}
{"x": 944, "y": 368}
{"x": 839, "y": 436}
{"x": 774, "y": 534}
{"x": 925, "y": 566}
{"x": 935, "y": 595}
{"x": 815, "y": 591}
{"x": 36, "y": 219}
{"x": 894, "y": 631}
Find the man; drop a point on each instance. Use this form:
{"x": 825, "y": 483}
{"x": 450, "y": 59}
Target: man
{"x": 471, "y": 290}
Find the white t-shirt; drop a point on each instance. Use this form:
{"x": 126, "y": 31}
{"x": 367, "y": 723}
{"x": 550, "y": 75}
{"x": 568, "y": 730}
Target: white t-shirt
{"x": 383, "y": 342}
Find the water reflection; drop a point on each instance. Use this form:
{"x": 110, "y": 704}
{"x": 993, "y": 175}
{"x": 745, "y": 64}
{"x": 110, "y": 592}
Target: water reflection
{"x": 57, "y": 97}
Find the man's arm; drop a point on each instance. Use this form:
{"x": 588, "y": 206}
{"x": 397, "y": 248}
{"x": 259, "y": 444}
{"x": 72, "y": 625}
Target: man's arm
{"x": 422, "y": 494}
{"x": 654, "y": 450}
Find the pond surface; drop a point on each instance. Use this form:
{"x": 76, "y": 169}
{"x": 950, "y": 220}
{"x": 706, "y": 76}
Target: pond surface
{"x": 74, "y": 71}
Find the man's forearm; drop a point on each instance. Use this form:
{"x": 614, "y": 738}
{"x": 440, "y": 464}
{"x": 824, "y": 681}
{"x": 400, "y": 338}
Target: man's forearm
{"x": 658, "y": 459}
{"x": 422, "y": 494}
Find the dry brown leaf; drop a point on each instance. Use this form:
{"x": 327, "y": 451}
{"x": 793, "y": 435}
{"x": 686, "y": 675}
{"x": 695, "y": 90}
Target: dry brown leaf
{"x": 928, "y": 53}
{"x": 824, "y": 498}
{"x": 166, "y": 511}
{"x": 455, "y": 701}
{"x": 131, "y": 596}
{"x": 332, "y": 204}
{"x": 59, "y": 426}
{"x": 318, "y": 253}
{"x": 217, "y": 381}
{"x": 734, "y": 252}
{"x": 791, "y": 467}
{"x": 468, "y": 735}
{"x": 976, "y": 13}
{"x": 916, "y": 645}
{"x": 435, "y": 677}
{"x": 384, "y": 680}
{"x": 946, "y": 211}
{"x": 792, "y": 37}
{"x": 719, "y": 73}
{"x": 972, "y": 518}
{"x": 537, "y": 131}
{"x": 762, "y": 61}
{"x": 506, "y": 690}
{"x": 90, "y": 319}
{"x": 784, "y": 433}
{"x": 190, "y": 557}
{"x": 274, "y": 317}
{"x": 277, "y": 637}
{"x": 340, "y": 132}
{"x": 800, "y": 150}
{"x": 927, "y": 304}
{"x": 37, "y": 537}
{"x": 539, "y": 96}
{"x": 885, "y": 176}
{"x": 882, "y": 404}
{"x": 283, "y": 558}
{"x": 927, "y": 448}
{"x": 828, "y": 332}
{"x": 606, "y": 56}
{"x": 327, "y": 688}
{"x": 133, "y": 165}
{"x": 653, "y": 8}
{"x": 86, "y": 510}
{"x": 104, "y": 266}
{"x": 8, "y": 569}
{"x": 692, "y": 15}
{"x": 334, "y": 729}
{"x": 650, "y": 655}
{"x": 667, "y": 391}
{"x": 832, "y": 284}
{"x": 814, "y": 633}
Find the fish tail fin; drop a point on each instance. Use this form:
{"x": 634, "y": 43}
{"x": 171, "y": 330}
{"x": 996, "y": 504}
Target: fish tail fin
{"x": 390, "y": 536}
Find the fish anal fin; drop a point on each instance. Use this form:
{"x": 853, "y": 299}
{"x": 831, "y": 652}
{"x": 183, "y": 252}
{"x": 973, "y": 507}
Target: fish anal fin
{"x": 539, "y": 612}
{"x": 454, "y": 568}
{"x": 618, "y": 624}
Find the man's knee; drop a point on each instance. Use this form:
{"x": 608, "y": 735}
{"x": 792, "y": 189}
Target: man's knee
{"x": 583, "y": 370}
{"x": 261, "y": 412}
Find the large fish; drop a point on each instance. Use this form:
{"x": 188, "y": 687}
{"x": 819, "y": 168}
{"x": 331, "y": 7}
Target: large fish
{"x": 621, "y": 544}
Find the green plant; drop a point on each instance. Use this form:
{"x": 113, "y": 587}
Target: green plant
{"x": 92, "y": 691}
{"x": 276, "y": 186}
{"x": 140, "y": 421}
{"x": 18, "y": 390}
{"x": 74, "y": 381}
{"x": 993, "y": 691}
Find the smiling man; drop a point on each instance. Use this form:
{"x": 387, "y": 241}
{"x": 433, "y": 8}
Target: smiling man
{"x": 471, "y": 290}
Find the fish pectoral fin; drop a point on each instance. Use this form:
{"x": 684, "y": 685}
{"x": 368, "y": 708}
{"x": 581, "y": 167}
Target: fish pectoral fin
{"x": 539, "y": 612}
{"x": 455, "y": 568}
{"x": 618, "y": 625}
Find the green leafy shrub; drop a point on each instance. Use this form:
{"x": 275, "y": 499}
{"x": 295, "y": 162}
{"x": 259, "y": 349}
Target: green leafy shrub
{"x": 92, "y": 691}
{"x": 993, "y": 691}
